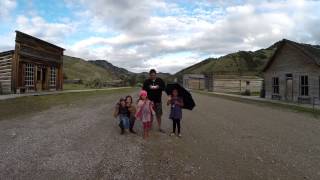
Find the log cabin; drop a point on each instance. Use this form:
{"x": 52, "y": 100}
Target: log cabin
{"x": 293, "y": 73}
{"x": 224, "y": 83}
{"x": 194, "y": 81}
{"x": 34, "y": 65}
{"x": 234, "y": 83}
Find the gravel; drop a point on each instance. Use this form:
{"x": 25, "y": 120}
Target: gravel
{"x": 222, "y": 139}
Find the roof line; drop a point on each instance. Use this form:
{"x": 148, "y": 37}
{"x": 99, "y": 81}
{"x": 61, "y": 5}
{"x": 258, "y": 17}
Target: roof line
{"x": 6, "y": 52}
{"x": 295, "y": 44}
{"x": 43, "y": 41}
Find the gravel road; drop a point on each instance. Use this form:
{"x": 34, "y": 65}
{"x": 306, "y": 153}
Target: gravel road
{"x": 222, "y": 139}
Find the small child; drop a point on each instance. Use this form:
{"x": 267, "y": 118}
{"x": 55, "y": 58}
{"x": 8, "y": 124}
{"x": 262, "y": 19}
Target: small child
{"x": 132, "y": 112}
{"x": 121, "y": 112}
{"x": 176, "y": 104}
{"x": 145, "y": 112}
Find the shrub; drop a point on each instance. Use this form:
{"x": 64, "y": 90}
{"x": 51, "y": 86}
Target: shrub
{"x": 96, "y": 83}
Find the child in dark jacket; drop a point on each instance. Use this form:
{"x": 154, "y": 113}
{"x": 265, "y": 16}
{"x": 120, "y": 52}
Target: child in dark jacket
{"x": 176, "y": 104}
{"x": 132, "y": 112}
{"x": 121, "y": 112}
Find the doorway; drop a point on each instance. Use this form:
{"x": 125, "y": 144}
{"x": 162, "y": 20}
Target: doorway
{"x": 41, "y": 78}
{"x": 289, "y": 87}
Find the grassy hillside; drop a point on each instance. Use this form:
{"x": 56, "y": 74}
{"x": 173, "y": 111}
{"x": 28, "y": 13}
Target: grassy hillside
{"x": 76, "y": 68}
{"x": 101, "y": 70}
{"x": 242, "y": 62}
{"x": 117, "y": 71}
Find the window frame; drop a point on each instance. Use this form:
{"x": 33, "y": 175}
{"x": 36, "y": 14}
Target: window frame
{"x": 304, "y": 86}
{"x": 29, "y": 76}
{"x": 275, "y": 86}
{"x": 53, "y": 77}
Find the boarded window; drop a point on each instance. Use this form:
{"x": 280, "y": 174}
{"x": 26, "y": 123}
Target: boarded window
{"x": 275, "y": 85}
{"x": 304, "y": 86}
{"x": 53, "y": 76}
{"x": 29, "y": 76}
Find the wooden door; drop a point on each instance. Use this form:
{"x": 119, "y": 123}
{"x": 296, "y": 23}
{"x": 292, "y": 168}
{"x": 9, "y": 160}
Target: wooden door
{"x": 289, "y": 89}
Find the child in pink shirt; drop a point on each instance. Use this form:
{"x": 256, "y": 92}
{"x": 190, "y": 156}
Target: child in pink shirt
{"x": 145, "y": 112}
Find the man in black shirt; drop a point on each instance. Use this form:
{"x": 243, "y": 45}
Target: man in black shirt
{"x": 154, "y": 86}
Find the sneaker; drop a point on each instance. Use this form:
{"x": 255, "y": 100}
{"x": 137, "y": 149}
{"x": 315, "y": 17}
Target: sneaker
{"x": 179, "y": 135}
{"x": 172, "y": 134}
{"x": 162, "y": 131}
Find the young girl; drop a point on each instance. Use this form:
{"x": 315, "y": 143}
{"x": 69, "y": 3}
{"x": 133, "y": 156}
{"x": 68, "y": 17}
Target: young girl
{"x": 176, "y": 104}
{"x": 121, "y": 112}
{"x": 145, "y": 112}
{"x": 132, "y": 112}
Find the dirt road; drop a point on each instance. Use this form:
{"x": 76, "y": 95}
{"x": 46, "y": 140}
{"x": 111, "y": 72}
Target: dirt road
{"x": 222, "y": 139}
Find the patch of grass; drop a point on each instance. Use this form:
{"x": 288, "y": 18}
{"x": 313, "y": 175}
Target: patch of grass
{"x": 30, "y": 104}
{"x": 74, "y": 87}
{"x": 255, "y": 93}
{"x": 238, "y": 93}
{"x": 293, "y": 107}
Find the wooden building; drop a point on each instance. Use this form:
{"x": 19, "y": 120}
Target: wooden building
{"x": 227, "y": 83}
{"x": 34, "y": 65}
{"x": 293, "y": 73}
{"x": 233, "y": 83}
{"x": 194, "y": 81}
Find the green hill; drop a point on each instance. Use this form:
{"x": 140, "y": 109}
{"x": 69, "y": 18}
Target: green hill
{"x": 242, "y": 62}
{"x": 77, "y": 68}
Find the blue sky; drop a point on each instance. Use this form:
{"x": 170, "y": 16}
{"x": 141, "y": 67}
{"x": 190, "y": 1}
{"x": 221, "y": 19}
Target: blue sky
{"x": 162, "y": 34}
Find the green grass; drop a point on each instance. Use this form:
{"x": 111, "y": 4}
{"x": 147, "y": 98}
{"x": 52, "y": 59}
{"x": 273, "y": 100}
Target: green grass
{"x": 293, "y": 107}
{"x": 11, "y": 108}
{"x": 74, "y": 87}
{"x": 241, "y": 94}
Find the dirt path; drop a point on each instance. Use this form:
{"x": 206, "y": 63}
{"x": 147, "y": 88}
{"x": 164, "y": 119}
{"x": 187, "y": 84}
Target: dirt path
{"x": 222, "y": 139}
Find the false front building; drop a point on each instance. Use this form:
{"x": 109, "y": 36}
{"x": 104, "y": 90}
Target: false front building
{"x": 34, "y": 65}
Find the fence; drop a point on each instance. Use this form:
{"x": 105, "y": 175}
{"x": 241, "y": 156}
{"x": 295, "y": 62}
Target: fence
{"x": 315, "y": 102}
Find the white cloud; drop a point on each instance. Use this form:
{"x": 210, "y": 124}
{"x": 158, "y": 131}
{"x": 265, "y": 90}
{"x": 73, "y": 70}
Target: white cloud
{"x": 37, "y": 26}
{"x": 6, "y": 7}
{"x": 142, "y": 34}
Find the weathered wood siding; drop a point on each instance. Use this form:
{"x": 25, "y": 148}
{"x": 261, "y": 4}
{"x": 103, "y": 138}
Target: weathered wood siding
{"x": 31, "y": 50}
{"x": 196, "y": 84}
{"x": 6, "y": 73}
{"x": 237, "y": 85}
{"x": 291, "y": 60}
{"x": 37, "y": 49}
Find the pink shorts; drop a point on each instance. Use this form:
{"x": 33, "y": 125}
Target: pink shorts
{"x": 147, "y": 125}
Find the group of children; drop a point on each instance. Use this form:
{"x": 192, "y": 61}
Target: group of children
{"x": 127, "y": 113}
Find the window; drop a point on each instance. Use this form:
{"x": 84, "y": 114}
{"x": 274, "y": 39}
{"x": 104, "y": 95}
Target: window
{"x": 304, "y": 86}
{"x": 275, "y": 85}
{"x": 53, "y": 75}
{"x": 29, "y": 76}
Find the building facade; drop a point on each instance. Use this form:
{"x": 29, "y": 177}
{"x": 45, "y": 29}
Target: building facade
{"x": 195, "y": 81}
{"x": 34, "y": 65}
{"x": 223, "y": 83}
{"x": 293, "y": 73}
{"x": 234, "y": 83}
